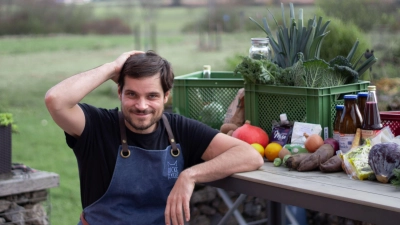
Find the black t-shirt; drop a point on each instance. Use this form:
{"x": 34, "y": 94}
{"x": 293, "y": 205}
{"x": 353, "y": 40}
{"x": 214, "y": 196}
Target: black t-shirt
{"x": 97, "y": 148}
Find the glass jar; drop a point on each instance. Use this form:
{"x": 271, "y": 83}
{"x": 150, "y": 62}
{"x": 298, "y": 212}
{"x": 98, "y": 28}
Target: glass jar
{"x": 207, "y": 71}
{"x": 260, "y": 49}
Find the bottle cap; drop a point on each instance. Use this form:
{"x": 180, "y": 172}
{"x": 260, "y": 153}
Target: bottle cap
{"x": 206, "y": 67}
{"x": 371, "y": 88}
{"x": 362, "y": 94}
{"x": 283, "y": 117}
{"x": 339, "y": 107}
{"x": 350, "y": 97}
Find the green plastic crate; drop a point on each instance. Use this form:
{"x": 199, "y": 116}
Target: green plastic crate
{"x": 203, "y": 99}
{"x": 264, "y": 103}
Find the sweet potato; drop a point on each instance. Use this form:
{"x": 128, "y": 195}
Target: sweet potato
{"x": 294, "y": 160}
{"x": 334, "y": 164}
{"x": 312, "y": 162}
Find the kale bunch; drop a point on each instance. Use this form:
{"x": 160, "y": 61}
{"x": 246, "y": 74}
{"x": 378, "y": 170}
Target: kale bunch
{"x": 257, "y": 71}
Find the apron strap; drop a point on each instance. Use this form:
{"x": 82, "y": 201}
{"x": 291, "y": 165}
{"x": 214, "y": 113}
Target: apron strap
{"x": 84, "y": 222}
{"x": 125, "y": 153}
{"x": 174, "y": 150}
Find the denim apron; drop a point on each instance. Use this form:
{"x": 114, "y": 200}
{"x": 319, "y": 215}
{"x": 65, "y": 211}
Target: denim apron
{"x": 140, "y": 185}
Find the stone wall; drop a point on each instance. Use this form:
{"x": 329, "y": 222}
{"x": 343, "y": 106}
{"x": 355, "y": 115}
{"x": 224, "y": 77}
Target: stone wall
{"x": 24, "y": 209}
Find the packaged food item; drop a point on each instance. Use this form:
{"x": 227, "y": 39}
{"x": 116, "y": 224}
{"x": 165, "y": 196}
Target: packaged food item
{"x": 300, "y": 128}
{"x": 282, "y": 131}
{"x": 356, "y": 161}
{"x": 295, "y": 148}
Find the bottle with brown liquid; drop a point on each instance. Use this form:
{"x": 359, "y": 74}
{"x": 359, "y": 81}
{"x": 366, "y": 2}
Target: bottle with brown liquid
{"x": 361, "y": 100}
{"x": 336, "y": 122}
{"x": 349, "y": 122}
{"x": 372, "y": 120}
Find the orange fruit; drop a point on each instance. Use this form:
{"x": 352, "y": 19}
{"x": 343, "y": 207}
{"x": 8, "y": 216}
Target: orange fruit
{"x": 259, "y": 148}
{"x": 271, "y": 152}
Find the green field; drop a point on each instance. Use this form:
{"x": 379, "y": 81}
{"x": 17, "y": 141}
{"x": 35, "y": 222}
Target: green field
{"x": 32, "y": 65}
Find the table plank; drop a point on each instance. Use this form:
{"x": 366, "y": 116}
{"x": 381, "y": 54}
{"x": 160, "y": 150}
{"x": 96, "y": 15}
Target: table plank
{"x": 27, "y": 182}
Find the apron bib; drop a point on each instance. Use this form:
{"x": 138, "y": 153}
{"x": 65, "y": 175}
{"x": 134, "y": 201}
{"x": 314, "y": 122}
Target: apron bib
{"x": 139, "y": 188}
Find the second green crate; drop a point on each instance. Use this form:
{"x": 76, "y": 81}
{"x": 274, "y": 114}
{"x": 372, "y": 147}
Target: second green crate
{"x": 264, "y": 103}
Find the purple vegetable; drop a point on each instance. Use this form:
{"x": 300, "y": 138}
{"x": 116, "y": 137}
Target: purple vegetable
{"x": 333, "y": 142}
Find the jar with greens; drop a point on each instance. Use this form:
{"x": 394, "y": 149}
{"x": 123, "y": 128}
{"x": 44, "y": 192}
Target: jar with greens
{"x": 260, "y": 49}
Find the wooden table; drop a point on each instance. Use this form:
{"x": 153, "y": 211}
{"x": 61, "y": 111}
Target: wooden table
{"x": 332, "y": 193}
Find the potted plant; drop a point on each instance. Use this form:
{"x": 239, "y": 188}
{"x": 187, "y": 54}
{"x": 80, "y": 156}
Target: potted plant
{"x": 7, "y": 126}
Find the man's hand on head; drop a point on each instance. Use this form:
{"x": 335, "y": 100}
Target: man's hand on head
{"x": 119, "y": 63}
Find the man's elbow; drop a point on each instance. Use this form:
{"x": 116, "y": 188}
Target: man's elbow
{"x": 50, "y": 100}
{"x": 259, "y": 161}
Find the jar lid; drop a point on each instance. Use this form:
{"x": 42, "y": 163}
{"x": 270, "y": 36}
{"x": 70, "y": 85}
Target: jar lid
{"x": 339, "y": 107}
{"x": 350, "y": 97}
{"x": 259, "y": 40}
{"x": 371, "y": 88}
{"x": 362, "y": 94}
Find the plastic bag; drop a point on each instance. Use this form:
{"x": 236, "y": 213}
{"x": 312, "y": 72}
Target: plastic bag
{"x": 233, "y": 106}
{"x": 356, "y": 161}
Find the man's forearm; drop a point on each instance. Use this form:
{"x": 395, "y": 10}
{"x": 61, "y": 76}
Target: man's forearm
{"x": 232, "y": 161}
{"x": 73, "y": 89}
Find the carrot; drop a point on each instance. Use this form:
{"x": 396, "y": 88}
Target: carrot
{"x": 356, "y": 140}
{"x": 312, "y": 162}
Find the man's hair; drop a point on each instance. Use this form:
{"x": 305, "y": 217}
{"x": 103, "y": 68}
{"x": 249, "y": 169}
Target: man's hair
{"x": 146, "y": 65}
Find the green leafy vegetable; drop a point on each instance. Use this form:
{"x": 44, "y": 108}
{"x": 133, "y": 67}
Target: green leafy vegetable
{"x": 396, "y": 180}
{"x": 257, "y": 71}
{"x": 7, "y": 119}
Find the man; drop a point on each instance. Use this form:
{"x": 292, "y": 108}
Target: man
{"x": 135, "y": 166}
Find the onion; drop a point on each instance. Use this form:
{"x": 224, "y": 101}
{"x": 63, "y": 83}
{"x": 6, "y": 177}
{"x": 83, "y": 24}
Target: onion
{"x": 333, "y": 142}
{"x": 313, "y": 142}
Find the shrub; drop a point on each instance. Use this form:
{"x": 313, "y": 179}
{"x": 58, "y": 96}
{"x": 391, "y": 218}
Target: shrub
{"x": 341, "y": 39}
{"x": 365, "y": 14}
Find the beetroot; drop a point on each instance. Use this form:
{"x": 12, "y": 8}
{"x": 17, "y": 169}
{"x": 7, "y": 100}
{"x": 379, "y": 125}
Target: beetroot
{"x": 333, "y": 142}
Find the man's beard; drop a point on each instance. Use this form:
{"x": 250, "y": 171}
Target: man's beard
{"x": 153, "y": 120}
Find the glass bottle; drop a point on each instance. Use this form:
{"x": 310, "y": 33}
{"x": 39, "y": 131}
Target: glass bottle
{"x": 260, "y": 49}
{"x": 336, "y": 122}
{"x": 372, "y": 120}
{"x": 361, "y": 100}
{"x": 207, "y": 71}
{"x": 349, "y": 122}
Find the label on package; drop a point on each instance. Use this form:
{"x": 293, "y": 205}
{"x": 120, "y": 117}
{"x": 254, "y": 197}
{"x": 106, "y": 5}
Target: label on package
{"x": 345, "y": 142}
{"x": 368, "y": 134}
{"x": 281, "y": 135}
{"x": 336, "y": 135}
